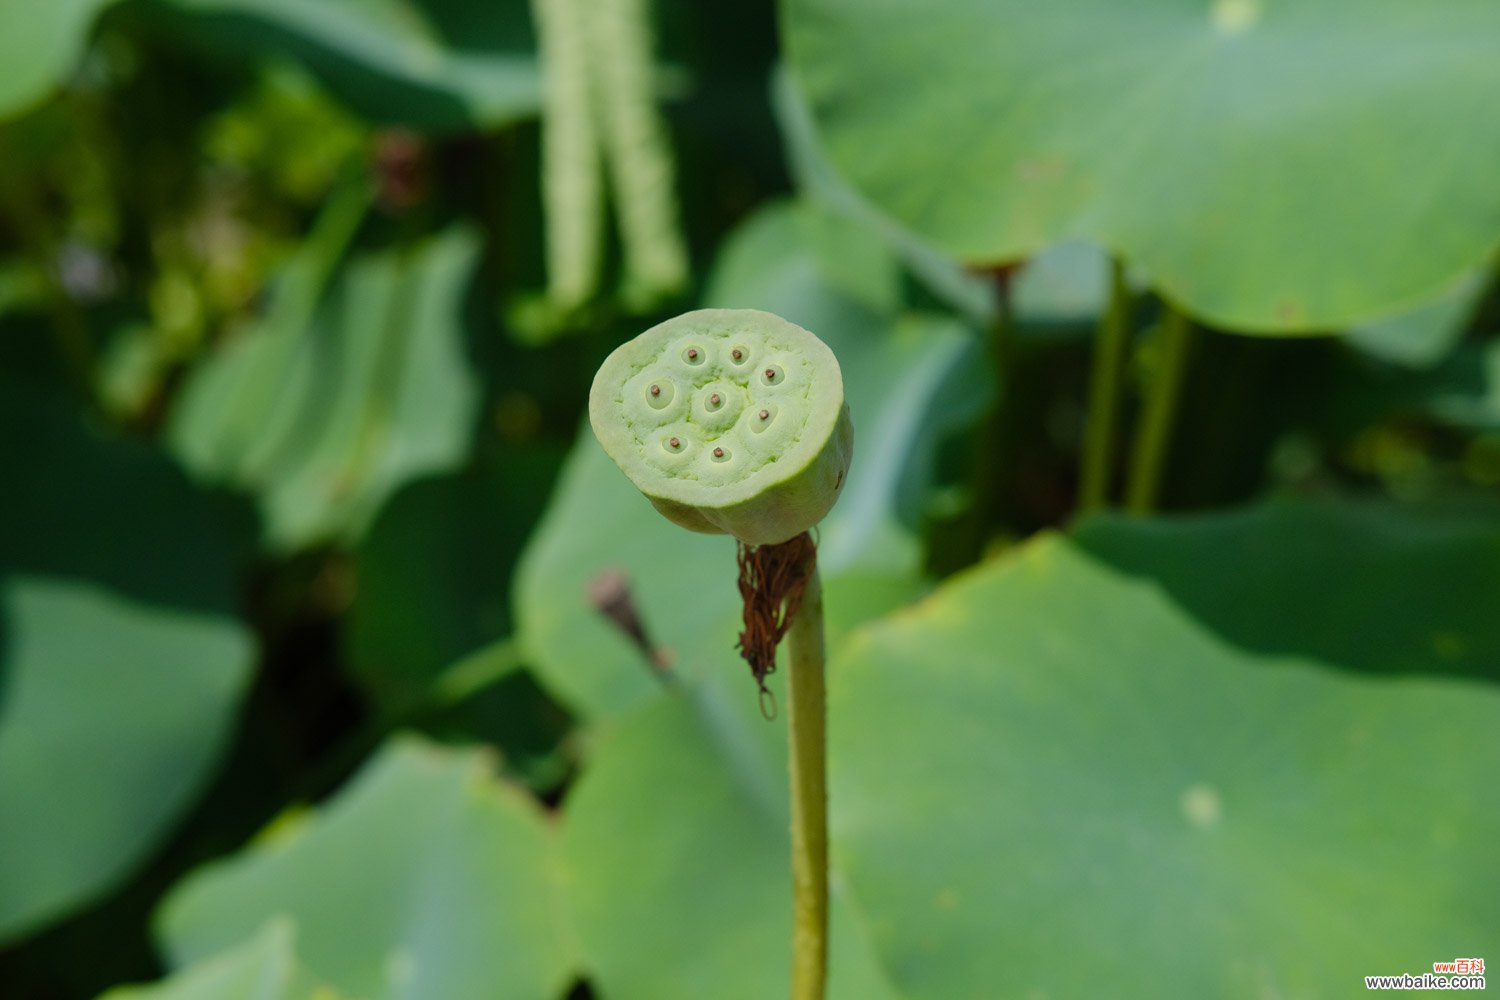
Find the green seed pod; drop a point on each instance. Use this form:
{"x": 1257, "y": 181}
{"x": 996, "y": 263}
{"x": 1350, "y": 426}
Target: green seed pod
{"x": 730, "y": 421}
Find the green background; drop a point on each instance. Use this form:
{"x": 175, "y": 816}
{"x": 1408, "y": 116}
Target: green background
{"x": 303, "y": 691}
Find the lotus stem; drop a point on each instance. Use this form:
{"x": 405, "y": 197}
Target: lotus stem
{"x": 1154, "y": 437}
{"x": 807, "y": 736}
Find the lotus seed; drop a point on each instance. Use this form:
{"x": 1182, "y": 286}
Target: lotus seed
{"x": 763, "y": 422}
{"x": 737, "y": 354}
{"x": 716, "y": 400}
{"x": 693, "y": 356}
{"x": 718, "y": 453}
{"x": 659, "y": 395}
{"x": 675, "y": 443}
{"x": 772, "y": 375}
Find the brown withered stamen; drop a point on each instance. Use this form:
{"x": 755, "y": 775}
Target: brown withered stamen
{"x": 772, "y": 580}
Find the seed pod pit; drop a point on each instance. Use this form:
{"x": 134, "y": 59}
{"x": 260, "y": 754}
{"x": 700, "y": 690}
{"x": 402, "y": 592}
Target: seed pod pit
{"x": 728, "y": 420}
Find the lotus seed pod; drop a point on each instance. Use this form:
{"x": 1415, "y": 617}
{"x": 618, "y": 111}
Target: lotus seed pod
{"x": 730, "y": 421}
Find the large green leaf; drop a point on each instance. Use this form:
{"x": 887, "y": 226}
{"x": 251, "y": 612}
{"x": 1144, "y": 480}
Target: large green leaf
{"x": 326, "y": 409}
{"x": 425, "y": 878}
{"x": 264, "y": 968}
{"x": 1092, "y": 789}
{"x": 425, "y": 63}
{"x": 1273, "y": 167}
{"x": 40, "y": 44}
{"x": 841, "y": 283}
{"x": 1082, "y": 770}
{"x": 121, "y": 662}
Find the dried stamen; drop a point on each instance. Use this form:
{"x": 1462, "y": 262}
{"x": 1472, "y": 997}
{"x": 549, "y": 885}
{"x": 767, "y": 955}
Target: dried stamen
{"x": 772, "y": 579}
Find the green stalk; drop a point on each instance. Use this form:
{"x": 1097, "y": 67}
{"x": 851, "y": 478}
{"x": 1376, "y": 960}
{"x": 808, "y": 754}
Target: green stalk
{"x": 1154, "y": 436}
{"x": 1104, "y": 394}
{"x": 994, "y": 442}
{"x": 806, "y": 729}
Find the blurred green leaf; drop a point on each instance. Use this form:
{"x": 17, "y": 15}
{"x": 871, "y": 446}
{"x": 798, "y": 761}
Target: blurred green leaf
{"x": 115, "y": 711}
{"x": 818, "y": 179}
{"x": 1372, "y": 586}
{"x": 1461, "y": 390}
{"x": 1474, "y": 401}
{"x": 337, "y": 400}
{"x": 426, "y": 877}
{"x": 264, "y": 968}
{"x": 1064, "y": 285}
{"x": 121, "y": 663}
{"x": 830, "y": 277}
{"x": 91, "y": 505}
{"x": 1265, "y": 164}
{"x": 1084, "y": 772}
{"x": 434, "y": 572}
{"x": 1424, "y": 336}
{"x": 439, "y": 64}
{"x": 41, "y": 43}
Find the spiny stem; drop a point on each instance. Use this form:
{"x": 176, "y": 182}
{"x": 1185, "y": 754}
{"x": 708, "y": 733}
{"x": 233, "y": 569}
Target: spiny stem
{"x": 1154, "y": 435}
{"x": 806, "y": 718}
{"x": 1104, "y": 393}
